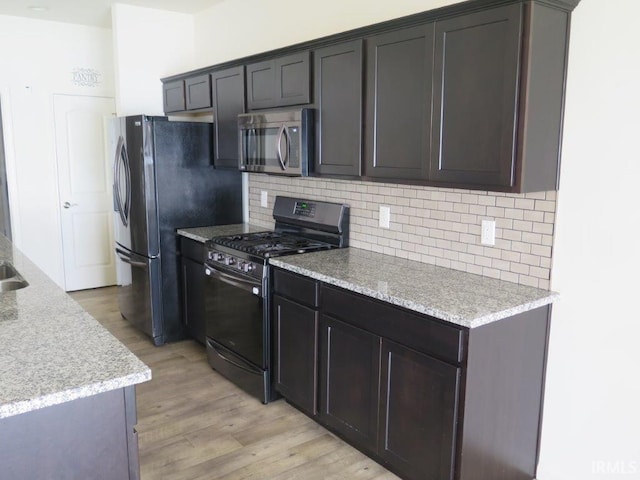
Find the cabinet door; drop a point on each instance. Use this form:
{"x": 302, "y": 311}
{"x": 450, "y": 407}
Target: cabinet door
{"x": 399, "y": 78}
{"x": 227, "y": 93}
{"x": 173, "y": 96}
{"x": 292, "y": 79}
{"x": 349, "y": 384}
{"x": 261, "y": 85}
{"x": 193, "y": 316}
{"x": 418, "y": 412}
{"x": 338, "y": 95}
{"x": 279, "y": 82}
{"x": 296, "y": 353}
{"x": 197, "y": 92}
{"x": 475, "y": 97}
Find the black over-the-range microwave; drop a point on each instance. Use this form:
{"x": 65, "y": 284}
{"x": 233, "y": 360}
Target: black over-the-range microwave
{"x": 276, "y": 142}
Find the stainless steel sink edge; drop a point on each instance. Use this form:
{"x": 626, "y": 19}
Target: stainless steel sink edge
{"x": 10, "y": 278}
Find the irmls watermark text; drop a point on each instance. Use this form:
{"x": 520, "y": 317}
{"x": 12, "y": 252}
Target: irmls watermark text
{"x": 616, "y": 467}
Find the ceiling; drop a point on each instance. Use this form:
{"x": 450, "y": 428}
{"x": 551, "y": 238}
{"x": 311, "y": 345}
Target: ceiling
{"x": 96, "y": 13}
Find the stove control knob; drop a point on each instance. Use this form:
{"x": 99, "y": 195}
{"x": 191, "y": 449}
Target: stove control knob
{"x": 219, "y": 257}
{"x": 248, "y": 267}
{"x": 230, "y": 261}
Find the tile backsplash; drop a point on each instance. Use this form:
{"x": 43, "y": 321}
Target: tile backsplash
{"x": 433, "y": 225}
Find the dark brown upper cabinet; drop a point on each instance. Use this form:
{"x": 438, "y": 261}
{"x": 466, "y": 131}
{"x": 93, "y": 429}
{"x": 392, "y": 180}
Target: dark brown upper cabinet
{"x": 338, "y": 79}
{"x": 192, "y": 93}
{"x": 476, "y": 71}
{"x": 228, "y": 100}
{"x": 466, "y": 96}
{"x": 398, "y": 118}
{"x": 279, "y": 82}
{"x": 173, "y": 96}
{"x": 498, "y": 96}
{"x": 197, "y": 92}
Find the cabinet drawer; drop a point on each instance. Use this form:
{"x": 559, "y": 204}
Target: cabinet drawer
{"x": 419, "y": 332}
{"x": 301, "y": 289}
{"x": 192, "y": 249}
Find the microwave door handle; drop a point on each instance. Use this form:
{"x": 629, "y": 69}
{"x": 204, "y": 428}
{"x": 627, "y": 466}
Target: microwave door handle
{"x": 287, "y": 139}
{"x": 279, "y": 149}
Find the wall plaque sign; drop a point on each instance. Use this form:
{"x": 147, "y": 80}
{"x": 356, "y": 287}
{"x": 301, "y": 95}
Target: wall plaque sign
{"x": 85, "y": 77}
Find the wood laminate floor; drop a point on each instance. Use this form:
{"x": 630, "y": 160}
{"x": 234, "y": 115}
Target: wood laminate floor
{"x": 193, "y": 424}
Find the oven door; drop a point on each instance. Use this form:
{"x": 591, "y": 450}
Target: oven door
{"x": 236, "y": 315}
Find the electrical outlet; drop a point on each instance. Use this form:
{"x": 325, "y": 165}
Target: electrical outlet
{"x": 263, "y": 199}
{"x": 385, "y": 216}
{"x": 488, "y": 234}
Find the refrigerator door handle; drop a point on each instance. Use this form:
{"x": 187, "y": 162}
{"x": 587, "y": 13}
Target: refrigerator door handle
{"x": 127, "y": 259}
{"x": 117, "y": 194}
{"x": 127, "y": 178}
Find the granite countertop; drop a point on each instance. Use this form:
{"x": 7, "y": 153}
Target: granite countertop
{"x": 202, "y": 234}
{"x": 457, "y": 297}
{"x": 51, "y": 350}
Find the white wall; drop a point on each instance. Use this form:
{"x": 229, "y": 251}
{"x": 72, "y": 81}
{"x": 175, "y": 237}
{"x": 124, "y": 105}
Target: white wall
{"x": 591, "y": 426}
{"x": 148, "y": 44}
{"x": 37, "y": 60}
{"x": 237, "y": 28}
{"x": 592, "y": 422}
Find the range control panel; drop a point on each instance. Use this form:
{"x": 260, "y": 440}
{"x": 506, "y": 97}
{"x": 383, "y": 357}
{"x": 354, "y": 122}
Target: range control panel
{"x": 305, "y": 209}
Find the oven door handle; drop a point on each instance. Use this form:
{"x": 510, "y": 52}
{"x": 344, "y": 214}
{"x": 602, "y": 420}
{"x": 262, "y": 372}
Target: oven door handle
{"x": 248, "y": 285}
{"x": 232, "y": 362}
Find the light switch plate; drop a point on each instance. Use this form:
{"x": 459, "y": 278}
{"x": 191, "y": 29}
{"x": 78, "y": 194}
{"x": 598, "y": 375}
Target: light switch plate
{"x": 263, "y": 199}
{"x": 385, "y": 216}
{"x": 488, "y": 234}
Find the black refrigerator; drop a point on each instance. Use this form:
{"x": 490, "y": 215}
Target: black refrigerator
{"x": 164, "y": 179}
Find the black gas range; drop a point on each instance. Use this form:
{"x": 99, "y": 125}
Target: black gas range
{"x": 237, "y": 293}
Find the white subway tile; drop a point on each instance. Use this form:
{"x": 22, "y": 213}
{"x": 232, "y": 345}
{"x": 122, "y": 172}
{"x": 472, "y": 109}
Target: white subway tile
{"x": 505, "y": 202}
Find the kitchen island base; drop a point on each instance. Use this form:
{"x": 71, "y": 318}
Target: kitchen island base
{"x": 92, "y": 437}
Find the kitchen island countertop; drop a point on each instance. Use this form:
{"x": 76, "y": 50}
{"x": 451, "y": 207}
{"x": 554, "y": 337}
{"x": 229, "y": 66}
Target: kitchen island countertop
{"x": 51, "y": 350}
{"x": 465, "y": 299}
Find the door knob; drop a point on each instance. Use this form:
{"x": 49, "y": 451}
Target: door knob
{"x": 69, "y": 205}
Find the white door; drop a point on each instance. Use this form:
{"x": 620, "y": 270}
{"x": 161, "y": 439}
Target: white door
{"x": 85, "y": 191}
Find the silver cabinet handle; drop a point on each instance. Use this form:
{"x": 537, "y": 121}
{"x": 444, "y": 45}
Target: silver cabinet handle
{"x": 69, "y": 205}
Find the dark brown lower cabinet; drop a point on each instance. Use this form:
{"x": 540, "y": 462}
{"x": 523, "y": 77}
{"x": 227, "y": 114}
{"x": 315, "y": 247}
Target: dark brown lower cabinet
{"x": 296, "y": 353}
{"x": 418, "y": 411}
{"x": 193, "y": 280}
{"x": 349, "y": 383}
{"x": 428, "y": 399}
